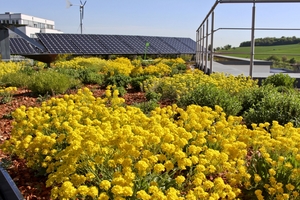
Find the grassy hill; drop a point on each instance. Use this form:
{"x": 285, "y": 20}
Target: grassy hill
{"x": 263, "y": 52}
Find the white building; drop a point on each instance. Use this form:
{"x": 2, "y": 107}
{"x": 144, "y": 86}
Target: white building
{"x": 32, "y": 25}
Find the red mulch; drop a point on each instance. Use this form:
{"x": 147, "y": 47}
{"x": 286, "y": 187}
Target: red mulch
{"x": 32, "y": 186}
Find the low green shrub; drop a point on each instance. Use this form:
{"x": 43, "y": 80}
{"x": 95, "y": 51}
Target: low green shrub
{"x": 153, "y": 96}
{"x": 16, "y": 79}
{"x": 119, "y": 80}
{"x": 280, "y": 79}
{"x": 252, "y": 96}
{"x": 74, "y": 73}
{"x": 178, "y": 68}
{"x": 210, "y": 95}
{"x": 147, "y": 106}
{"x": 50, "y": 82}
{"x": 281, "y": 107}
{"x": 89, "y": 76}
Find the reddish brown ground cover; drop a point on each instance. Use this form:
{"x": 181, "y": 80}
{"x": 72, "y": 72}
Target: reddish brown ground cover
{"x": 31, "y": 185}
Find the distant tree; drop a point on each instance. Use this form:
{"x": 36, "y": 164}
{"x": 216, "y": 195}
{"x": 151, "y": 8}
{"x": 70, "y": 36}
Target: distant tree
{"x": 217, "y": 49}
{"x": 284, "y": 59}
{"x": 209, "y": 47}
{"x": 292, "y": 61}
{"x": 227, "y": 47}
{"x": 272, "y": 41}
{"x": 273, "y": 58}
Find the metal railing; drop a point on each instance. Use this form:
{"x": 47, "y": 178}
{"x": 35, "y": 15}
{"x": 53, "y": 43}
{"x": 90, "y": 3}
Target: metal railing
{"x": 204, "y": 50}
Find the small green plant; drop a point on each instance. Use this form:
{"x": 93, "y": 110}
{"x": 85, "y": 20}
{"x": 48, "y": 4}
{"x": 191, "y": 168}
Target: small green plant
{"x": 137, "y": 82}
{"x": 6, "y": 163}
{"x": 42, "y": 98}
{"x": 5, "y": 98}
{"x": 7, "y": 116}
{"x": 210, "y": 95}
{"x": 6, "y": 94}
{"x": 122, "y": 91}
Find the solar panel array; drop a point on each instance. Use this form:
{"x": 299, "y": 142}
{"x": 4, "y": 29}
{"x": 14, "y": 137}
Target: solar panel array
{"x": 21, "y": 46}
{"x": 92, "y": 44}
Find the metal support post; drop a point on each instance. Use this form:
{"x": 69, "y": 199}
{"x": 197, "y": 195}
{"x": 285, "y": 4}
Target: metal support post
{"x": 212, "y": 42}
{"x": 206, "y": 47}
{"x": 202, "y": 54}
{"x": 252, "y": 41}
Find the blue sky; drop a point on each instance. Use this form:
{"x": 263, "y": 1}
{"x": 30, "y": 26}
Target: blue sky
{"x": 174, "y": 18}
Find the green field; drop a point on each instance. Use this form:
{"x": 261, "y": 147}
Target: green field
{"x": 263, "y": 52}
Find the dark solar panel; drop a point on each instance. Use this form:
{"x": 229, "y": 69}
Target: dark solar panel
{"x": 59, "y": 43}
{"x": 135, "y": 42}
{"x": 87, "y": 44}
{"x": 92, "y": 44}
{"x": 189, "y": 42}
{"x": 180, "y": 46}
{"x": 21, "y": 46}
{"x": 160, "y": 46}
{"x": 113, "y": 44}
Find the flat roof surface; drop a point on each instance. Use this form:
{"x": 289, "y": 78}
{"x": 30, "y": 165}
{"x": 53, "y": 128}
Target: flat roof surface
{"x": 258, "y": 71}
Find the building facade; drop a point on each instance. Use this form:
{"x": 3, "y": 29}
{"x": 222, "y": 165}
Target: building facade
{"x": 29, "y": 25}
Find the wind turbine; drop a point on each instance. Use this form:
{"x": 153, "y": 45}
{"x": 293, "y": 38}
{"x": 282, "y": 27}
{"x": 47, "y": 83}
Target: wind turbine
{"x": 81, "y": 10}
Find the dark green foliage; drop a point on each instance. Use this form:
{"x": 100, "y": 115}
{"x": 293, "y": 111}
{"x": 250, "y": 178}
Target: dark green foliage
{"x": 272, "y": 41}
{"x": 89, "y": 76}
{"x": 49, "y": 82}
{"x": 119, "y": 80}
{"x": 86, "y": 76}
{"x": 281, "y": 107}
{"x": 137, "y": 82}
{"x": 252, "y": 96}
{"x": 280, "y": 79}
{"x": 74, "y": 73}
{"x": 147, "y": 106}
{"x": 178, "y": 68}
{"x": 153, "y": 96}
{"x": 122, "y": 91}
{"x": 210, "y": 95}
{"x": 292, "y": 61}
{"x": 273, "y": 58}
{"x": 27, "y": 70}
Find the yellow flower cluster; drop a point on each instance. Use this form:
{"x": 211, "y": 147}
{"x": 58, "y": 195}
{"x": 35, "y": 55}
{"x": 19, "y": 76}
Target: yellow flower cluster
{"x": 159, "y": 69}
{"x": 179, "y": 84}
{"x": 9, "y": 90}
{"x": 120, "y": 65}
{"x": 9, "y": 67}
{"x": 97, "y": 148}
{"x": 173, "y": 61}
{"x": 80, "y": 63}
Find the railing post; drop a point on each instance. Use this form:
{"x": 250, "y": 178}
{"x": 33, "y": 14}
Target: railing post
{"x": 202, "y": 54}
{"x": 252, "y": 40}
{"x": 212, "y": 42}
{"x": 206, "y": 47}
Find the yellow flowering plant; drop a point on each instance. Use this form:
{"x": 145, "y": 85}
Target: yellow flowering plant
{"x": 98, "y": 148}
{"x": 6, "y": 94}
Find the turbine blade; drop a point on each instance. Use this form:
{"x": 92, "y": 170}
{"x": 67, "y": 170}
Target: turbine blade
{"x": 68, "y": 3}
